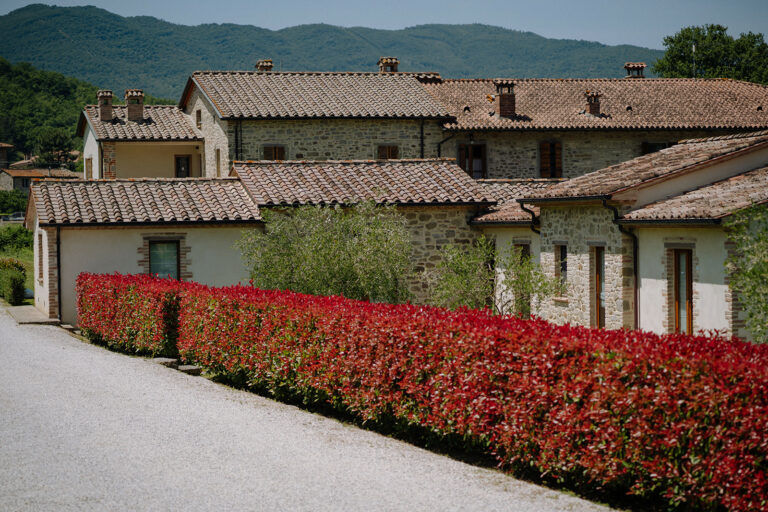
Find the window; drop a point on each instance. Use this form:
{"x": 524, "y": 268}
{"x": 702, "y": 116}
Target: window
{"x": 40, "y": 257}
{"x": 683, "y": 290}
{"x": 561, "y": 262}
{"x": 387, "y": 153}
{"x": 198, "y": 118}
{"x": 598, "y": 301}
{"x": 652, "y": 147}
{"x": 182, "y": 166}
{"x": 551, "y": 160}
{"x": 89, "y": 168}
{"x": 24, "y": 182}
{"x": 218, "y": 162}
{"x": 472, "y": 160}
{"x": 274, "y": 152}
{"x": 164, "y": 258}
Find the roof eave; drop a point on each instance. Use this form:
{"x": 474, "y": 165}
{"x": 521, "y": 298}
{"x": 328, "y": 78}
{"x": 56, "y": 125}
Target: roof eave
{"x": 564, "y": 199}
{"x": 150, "y": 223}
{"x": 670, "y": 222}
{"x": 191, "y": 82}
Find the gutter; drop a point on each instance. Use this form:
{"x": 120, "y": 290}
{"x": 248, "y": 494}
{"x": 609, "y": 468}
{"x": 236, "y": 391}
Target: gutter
{"x": 635, "y": 262}
{"x": 533, "y": 216}
{"x": 421, "y": 138}
{"x": 149, "y": 223}
{"x": 667, "y": 222}
{"x": 537, "y": 200}
{"x": 440, "y": 144}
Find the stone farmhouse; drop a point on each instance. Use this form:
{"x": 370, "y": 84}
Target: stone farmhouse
{"x": 21, "y": 179}
{"x": 523, "y": 159}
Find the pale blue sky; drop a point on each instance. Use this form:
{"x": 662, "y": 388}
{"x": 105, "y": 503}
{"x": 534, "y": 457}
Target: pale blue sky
{"x": 640, "y": 22}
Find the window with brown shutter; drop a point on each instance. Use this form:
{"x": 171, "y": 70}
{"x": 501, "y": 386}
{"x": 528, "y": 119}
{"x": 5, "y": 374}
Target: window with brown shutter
{"x": 274, "y": 152}
{"x": 198, "y": 119}
{"x": 89, "y": 168}
{"x": 472, "y": 159}
{"x": 388, "y": 153}
{"x": 551, "y": 159}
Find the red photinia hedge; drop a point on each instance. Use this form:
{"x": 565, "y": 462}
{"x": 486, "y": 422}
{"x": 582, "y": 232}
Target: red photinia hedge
{"x": 679, "y": 417}
{"x": 133, "y": 313}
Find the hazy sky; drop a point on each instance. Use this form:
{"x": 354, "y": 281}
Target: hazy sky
{"x": 640, "y": 22}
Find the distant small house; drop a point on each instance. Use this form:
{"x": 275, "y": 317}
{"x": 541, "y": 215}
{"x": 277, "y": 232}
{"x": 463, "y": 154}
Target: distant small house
{"x": 21, "y": 179}
{"x": 4, "y": 150}
{"x": 137, "y": 141}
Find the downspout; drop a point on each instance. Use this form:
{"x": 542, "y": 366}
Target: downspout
{"x": 58, "y": 266}
{"x": 635, "y": 263}
{"x": 421, "y": 139}
{"x": 439, "y": 144}
{"x": 238, "y": 139}
{"x": 533, "y": 217}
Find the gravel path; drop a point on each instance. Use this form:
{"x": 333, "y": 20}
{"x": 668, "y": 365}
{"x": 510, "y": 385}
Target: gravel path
{"x": 82, "y": 428}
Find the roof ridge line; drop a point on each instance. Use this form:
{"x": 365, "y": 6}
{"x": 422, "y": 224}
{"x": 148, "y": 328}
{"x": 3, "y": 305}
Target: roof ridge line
{"x": 308, "y": 162}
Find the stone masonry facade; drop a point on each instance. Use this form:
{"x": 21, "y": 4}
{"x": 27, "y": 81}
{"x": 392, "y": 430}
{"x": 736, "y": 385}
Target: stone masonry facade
{"x": 214, "y": 131}
{"x": 581, "y": 229}
{"x": 108, "y": 160}
{"x": 515, "y": 154}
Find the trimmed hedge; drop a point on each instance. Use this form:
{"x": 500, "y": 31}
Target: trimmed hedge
{"x": 136, "y": 314}
{"x": 678, "y": 420}
{"x": 12, "y": 278}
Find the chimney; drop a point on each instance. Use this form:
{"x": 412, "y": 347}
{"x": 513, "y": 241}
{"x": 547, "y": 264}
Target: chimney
{"x": 264, "y": 65}
{"x": 134, "y": 102}
{"x": 593, "y": 102}
{"x": 505, "y": 98}
{"x": 634, "y": 69}
{"x": 104, "y": 99}
{"x": 388, "y": 64}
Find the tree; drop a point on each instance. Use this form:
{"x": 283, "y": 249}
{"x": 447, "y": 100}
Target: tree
{"x": 716, "y": 55}
{"x": 360, "y": 252}
{"x": 748, "y": 266}
{"x": 54, "y": 147}
{"x": 469, "y": 275}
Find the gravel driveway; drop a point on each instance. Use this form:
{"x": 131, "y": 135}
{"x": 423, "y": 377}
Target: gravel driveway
{"x": 82, "y": 428}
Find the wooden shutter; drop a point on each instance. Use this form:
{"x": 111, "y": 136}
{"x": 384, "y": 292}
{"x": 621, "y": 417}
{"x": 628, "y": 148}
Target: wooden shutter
{"x": 481, "y": 150}
{"x": 269, "y": 152}
{"x": 557, "y": 170}
{"x": 382, "y": 153}
{"x": 463, "y": 156}
{"x": 544, "y": 161}
{"x": 394, "y": 152}
{"x": 89, "y": 168}
{"x": 279, "y": 153}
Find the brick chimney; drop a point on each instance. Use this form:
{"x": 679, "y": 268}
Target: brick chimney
{"x": 134, "y": 102}
{"x": 634, "y": 69}
{"x": 388, "y": 64}
{"x": 104, "y": 99}
{"x": 264, "y": 65}
{"x": 593, "y": 102}
{"x": 505, "y": 98}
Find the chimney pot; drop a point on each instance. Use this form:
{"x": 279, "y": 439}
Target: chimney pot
{"x": 134, "y": 104}
{"x": 505, "y": 99}
{"x": 593, "y": 102}
{"x": 264, "y": 65}
{"x": 104, "y": 100}
{"x": 388, "y": 64}
{"x": 634, "y": 69}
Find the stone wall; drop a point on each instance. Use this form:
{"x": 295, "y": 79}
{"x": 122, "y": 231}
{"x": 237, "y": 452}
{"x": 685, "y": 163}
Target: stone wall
{"x": 335, "y": 139}
{"x": 581, "y": 229}
{"x": 516, "y": 154}
{"x": 214, "y": 131}
{"x": 109, "y": 160}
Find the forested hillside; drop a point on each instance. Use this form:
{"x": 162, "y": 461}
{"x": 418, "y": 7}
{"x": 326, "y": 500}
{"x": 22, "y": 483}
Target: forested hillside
{"x": 118, "y": 52}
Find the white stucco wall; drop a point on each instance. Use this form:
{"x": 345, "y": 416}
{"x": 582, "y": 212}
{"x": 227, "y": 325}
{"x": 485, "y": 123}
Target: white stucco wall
{"x": 506, "y": 237}
{"x": 213, "y": 259}
{"x": 154, "y": 159}
{"x": 91, "y": 150}
{"x": 710, "y": 292}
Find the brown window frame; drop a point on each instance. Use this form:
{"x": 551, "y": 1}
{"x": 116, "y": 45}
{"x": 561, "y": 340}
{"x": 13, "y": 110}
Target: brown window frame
{"x": 467, "y": 154}
{"x": 199, "y": 118}
{"x": 274, "y": 152}
{"x": 176, "y": 166}
{"x": 89, "y": 168}
{"x": 688, "y": 254}
{"x": 561, "y": 262}
{"x": 40, "y": 260}
{"x": 387, "y": 152}
{"x": 150, "y": 242}
{"x": 599, "y": 282}
{"x": 551, "y": 159}
{"x": 217, "y": 155}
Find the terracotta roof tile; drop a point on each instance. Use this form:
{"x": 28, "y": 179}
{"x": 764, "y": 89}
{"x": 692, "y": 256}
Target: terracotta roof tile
{"x": 41, "y": 173}
{"x": 5, "y": 145}
{"x": 506, "y": 193}
{"x": 676, "y": 159}
{"x": 425, "y": 181}
{"x": 647, "y": 103}
{"x": 252, "y": 94}
{"x": 151, "y": 200}
{"x": 160, "y": 123}
{"x": 710, "y": 202}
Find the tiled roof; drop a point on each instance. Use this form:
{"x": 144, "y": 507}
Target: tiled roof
{"x": 160, "y": 123}
{"x": 676, "y": 159}
{"x": 42, "y": 173}
{"x": 265, "y": 95}
{"x": 428, "y": 181}
{"x": 506, "y": 192}
{"x": 710, "y": 202}
{"x": 144, "y": 201}
{"x": 648, "y": 103}
{"x": 5, "y": 145}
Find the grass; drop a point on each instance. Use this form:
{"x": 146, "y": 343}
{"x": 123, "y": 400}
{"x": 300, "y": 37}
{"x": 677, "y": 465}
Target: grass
{"x": 26, "y": 256}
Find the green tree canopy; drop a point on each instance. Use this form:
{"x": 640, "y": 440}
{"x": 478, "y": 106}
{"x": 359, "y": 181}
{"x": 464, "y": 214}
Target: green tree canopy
{"x": 717, "y": 55}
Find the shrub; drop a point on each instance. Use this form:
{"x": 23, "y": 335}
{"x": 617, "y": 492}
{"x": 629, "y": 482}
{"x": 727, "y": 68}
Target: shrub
{"x": 12, "y": 201}
{"x": 135, "y": 314}
{"x": 15, "y": 237}
{"x": 12, "y": 278}
{"x": 360, "y": 252}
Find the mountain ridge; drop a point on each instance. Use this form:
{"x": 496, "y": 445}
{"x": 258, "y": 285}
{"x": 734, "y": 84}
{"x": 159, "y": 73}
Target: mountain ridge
{"x": 119, "y": 52}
